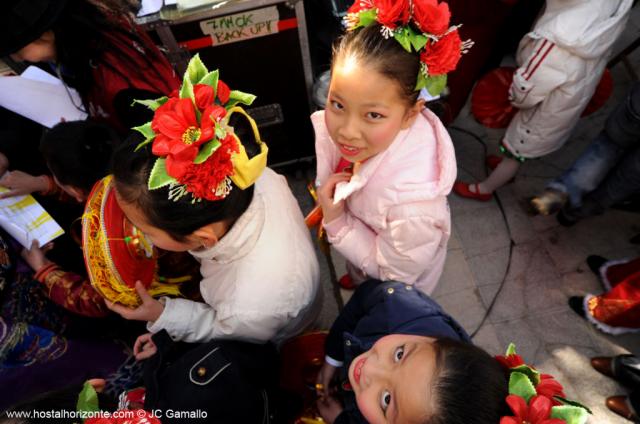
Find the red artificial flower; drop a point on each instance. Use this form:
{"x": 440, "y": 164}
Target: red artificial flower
{"x": 510, "y": 361}
{"x": 360, "y": 5}
{"x": 204, "y": 96}
{"x": 431, "y": 17}
{"x": 393, "y": 13}
{"x": 549, "y": 387}
{"x": 223, "y": 92}
{"x": 178, "y": 134}
{"x": 442, "y": 56}
{"x": 202, "y": 179}
{"x": 537, "y": 412}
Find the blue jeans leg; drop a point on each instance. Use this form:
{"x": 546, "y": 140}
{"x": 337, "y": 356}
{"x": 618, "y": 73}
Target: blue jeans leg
{"x": 588, "y": 171}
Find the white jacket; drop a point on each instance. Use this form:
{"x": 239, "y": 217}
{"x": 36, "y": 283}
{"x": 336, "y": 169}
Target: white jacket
{"x": 260, "y": 281}
{"x": 561, "y": 62}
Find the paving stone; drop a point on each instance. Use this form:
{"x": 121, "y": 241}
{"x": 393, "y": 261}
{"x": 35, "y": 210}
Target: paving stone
{"x": 456, "y": 275}
{"x": 465, "y": 306}
{"x": 481, "y": 230}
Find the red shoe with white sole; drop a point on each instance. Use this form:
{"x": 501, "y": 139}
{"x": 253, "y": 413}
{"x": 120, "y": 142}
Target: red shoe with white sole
{"x": 463, "y": 190}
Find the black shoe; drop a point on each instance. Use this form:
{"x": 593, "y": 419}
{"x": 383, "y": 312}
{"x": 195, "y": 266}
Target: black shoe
{"x": 576, "y": 303}
{"x": 595, "y": 262}
{"x": 565, "y": 220}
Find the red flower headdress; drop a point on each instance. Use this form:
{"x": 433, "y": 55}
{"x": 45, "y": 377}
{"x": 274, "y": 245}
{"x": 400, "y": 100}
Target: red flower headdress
{"x": 198, "y": 152}
{"x": 536, "y": 398}
{"x": 420, "y": 26}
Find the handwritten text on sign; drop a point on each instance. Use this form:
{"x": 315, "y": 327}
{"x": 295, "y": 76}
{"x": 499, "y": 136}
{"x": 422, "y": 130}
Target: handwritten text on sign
{"x": 242, "y": 26}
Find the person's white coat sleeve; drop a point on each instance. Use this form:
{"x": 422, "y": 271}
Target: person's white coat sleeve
{"x": 541, "y": 73}
{"x": 195, "y": 322}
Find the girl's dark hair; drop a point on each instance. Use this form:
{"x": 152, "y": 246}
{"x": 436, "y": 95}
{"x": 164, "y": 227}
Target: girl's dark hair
{"x": 470, "y": 388}
{"x": 368, "y": 46}
{"x": 78, "y": 153}
{"x": 81, "y": 42}
{"x": 182, "y": 217}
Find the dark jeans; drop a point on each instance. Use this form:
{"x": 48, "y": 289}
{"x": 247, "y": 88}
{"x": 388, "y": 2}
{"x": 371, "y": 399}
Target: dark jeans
{"x": 608, "y": 171}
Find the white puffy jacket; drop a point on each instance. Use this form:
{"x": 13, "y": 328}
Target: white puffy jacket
{"x": 561, "y": 62}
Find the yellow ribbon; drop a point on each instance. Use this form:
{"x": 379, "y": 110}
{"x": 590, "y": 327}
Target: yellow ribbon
{"x": 247, "y": 171}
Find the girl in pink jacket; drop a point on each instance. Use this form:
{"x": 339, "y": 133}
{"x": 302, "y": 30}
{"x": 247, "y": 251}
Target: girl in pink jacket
{"x": 385, "y": 164}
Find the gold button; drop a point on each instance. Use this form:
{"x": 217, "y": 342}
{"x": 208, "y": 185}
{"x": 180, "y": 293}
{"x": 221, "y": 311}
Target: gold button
{"x": 201, "y": 371}
{"x": 390, "y": 290}
{"x": 408, "y": 287}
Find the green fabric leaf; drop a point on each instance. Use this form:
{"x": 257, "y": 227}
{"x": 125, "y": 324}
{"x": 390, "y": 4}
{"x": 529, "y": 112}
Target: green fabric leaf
{"x": 418, "y": 41}
{"x": 211, "y": 79}
{"x": 534, "y": 376}
{"x": 206, "y": 150}
{"x": 402, "y": 37}
{"x": 158, "y": 176}
{"x": 572, "y": 403}
{"x": 145, "y": 130}
{"x": 186, "y": 91}
{"x": 520, "y": 385}
{"x": 144, "y": 143}
{"x": 367, "y": 17}
{"x": 422, "y": 81}
{"x": 87, "y": 399}
{"x": 570, "y": 414}
{"x": 152, "y": 104}
{"x": 196, "y": 69}
{"x": 436, "y": 84}
{"x": 220, "y": 132}
{"x": 511, "y": 350}
{"x": 240, "y": 97}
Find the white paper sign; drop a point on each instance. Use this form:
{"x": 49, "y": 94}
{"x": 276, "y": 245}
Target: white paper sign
{"x": 25, "y": 220}
{"x": 40, "y": 97}
{"x": 242, "y": 26}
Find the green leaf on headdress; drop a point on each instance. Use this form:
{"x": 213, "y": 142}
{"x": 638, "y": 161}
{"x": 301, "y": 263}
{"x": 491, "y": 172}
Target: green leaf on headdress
{"x": 367, "y": 17}
{"x": 511, "y": 350}
{"x": 158, "y": 176}
{"x": 152, "y": 104}
{"x": 196, "y": 69}
{"x": 220, "y": 132}
{"x": 206, "y": 150}
{"x": 186, "y": 91}
{"x": 145, "y": 130}
{"x": 402, "y": 36}
{"x": 436, "y": 84}
{"x": 572, "y": 403}
{"x": 211, "y": 79}
{"x": 240, "y": 97}
{"x": 570, "y": 414}
{"x": 87, "y": 399}
{"x": 520, "y": 385}
{"x": 534, "y": 376}
{"x": 418, "y": 41}
{"x": 422, "y": 81}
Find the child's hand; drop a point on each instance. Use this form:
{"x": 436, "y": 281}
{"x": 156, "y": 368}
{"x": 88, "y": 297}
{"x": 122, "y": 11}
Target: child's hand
{"x": 323, "y": 381}
{"x": 35, "y": 256}
{"x": 4, "y": 164}
{"x": 144, "y": 347}
{"x": 331, "y": 211}
{"x": 329, "y": 408}
{"x": 149, "y": 310}
{"x": 20, "y": 183}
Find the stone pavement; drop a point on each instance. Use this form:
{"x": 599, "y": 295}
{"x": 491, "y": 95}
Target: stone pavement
{"x": 546, "y": 265}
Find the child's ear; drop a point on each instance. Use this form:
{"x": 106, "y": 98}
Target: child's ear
{"x": 206, "y": 236}
{"x": 412, "y": 113}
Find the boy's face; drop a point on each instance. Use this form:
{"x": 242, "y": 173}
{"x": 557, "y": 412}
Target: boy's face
{"x": 392, "y": 380}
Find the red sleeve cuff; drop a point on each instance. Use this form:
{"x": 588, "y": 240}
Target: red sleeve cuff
{"x": 43, "y": 272}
